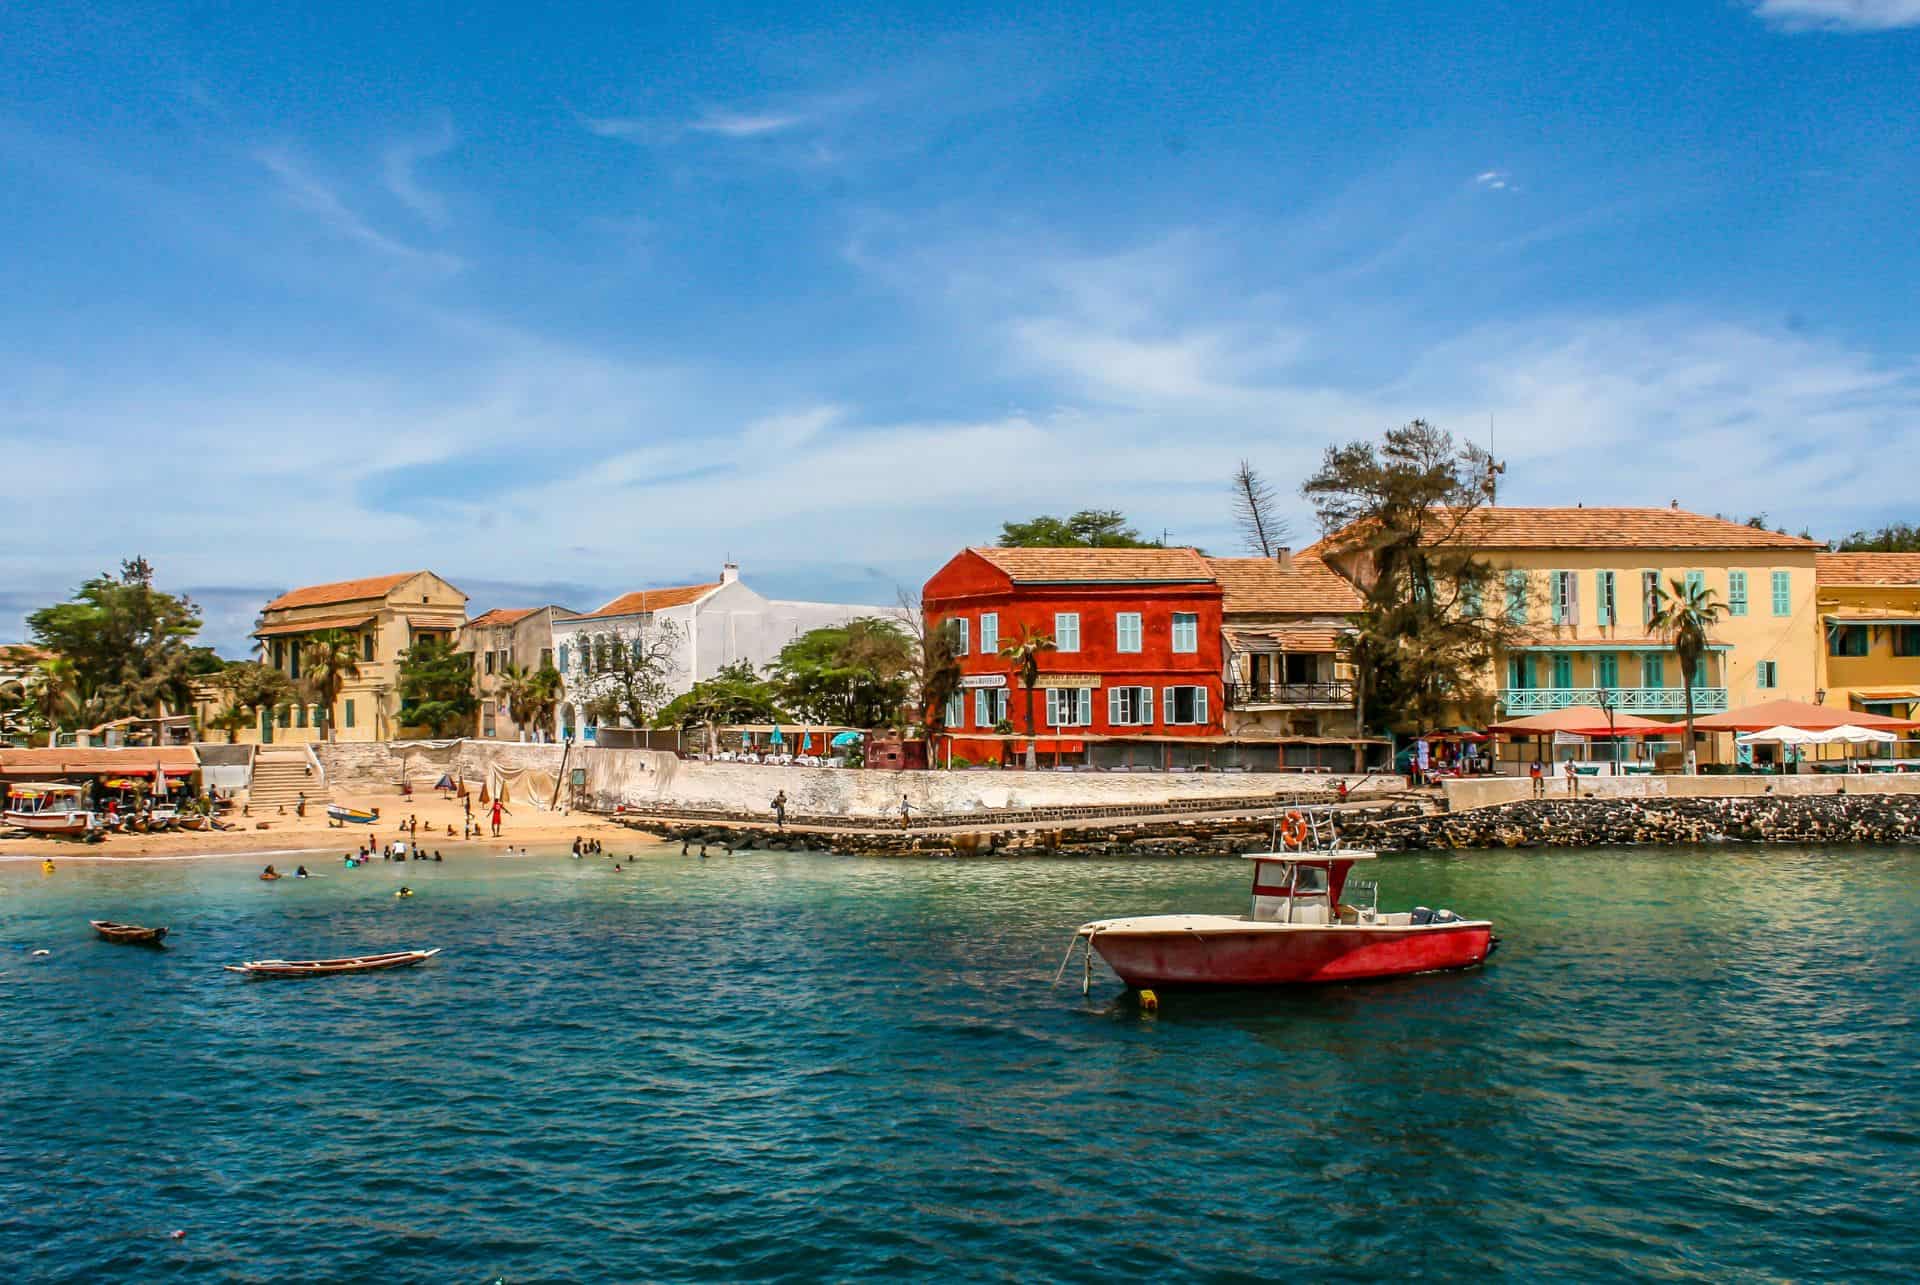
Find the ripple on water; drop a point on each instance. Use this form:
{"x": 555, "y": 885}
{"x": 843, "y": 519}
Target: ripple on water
{"x": 1681, "y": 1065}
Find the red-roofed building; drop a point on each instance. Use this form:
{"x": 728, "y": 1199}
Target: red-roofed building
{"x": 1135, "y": 671}
{"x": 509, "y": 638}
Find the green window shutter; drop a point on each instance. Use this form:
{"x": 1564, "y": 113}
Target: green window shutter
{"x": 1736, "y": 593}
{"x": 1562, "y": 670}
{"x": 1517, "y": 596}
{"x": 348, "y": 712}
{"x": 1606, "y": 669}
{"x": 1603, "y": 600}
{"x": 1783, "y": 593}
{"x": 300, "y": 715}
{"x": 1653, "y": 671}
{"x": 1696, "y": 581}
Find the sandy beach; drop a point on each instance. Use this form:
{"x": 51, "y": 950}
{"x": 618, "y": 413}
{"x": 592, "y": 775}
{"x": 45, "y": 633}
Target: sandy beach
{"x": 440, "y": 825}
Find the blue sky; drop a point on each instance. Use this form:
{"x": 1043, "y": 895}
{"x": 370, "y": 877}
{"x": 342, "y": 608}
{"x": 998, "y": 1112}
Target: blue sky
{"x": 564, "y": 302}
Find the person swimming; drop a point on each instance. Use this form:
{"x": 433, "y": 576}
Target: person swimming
{"x": 300, "y": 872}
{"x": 404, "y": 891}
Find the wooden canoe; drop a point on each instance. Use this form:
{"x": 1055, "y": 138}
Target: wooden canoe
{"x": 128, "y": 934}
{"x": 330, "y": 967}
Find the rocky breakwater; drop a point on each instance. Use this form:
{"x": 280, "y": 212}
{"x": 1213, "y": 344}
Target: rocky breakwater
{"x": 1108, "y": 837}
{"x": 1585, "y": 823}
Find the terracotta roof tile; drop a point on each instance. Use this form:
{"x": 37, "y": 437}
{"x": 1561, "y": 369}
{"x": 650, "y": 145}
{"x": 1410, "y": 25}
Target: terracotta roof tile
{"x": 1285, "y": 639}
{"x": 1100, "y": 566}
{"x": 312, "y": 625}
{"x": 1560, "y": 527}
{"x": 1304, "y": 585}
{"x": 1868, "y": 568}
{"x": 629, "y": 604}
{"x": 501, "y": 617}
{"x": 319, "y": 595}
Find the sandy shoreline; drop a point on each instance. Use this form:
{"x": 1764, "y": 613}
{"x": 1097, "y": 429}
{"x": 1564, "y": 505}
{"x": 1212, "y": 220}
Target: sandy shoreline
{"x": 290, "y": 835}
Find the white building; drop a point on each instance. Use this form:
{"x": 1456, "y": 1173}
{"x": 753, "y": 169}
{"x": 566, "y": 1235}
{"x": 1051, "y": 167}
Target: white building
{"x": 712, "y": 626}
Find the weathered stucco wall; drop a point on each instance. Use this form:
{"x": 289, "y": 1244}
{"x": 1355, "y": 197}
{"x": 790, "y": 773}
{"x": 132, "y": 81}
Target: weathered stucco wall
{"x": 638, "y": 778}
{"x": 1466, "y": 795}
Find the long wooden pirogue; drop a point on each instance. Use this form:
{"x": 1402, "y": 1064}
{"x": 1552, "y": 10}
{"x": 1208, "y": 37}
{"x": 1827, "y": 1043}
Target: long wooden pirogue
{"x": 128, "y": 934}
{"x": 329, "y": 967}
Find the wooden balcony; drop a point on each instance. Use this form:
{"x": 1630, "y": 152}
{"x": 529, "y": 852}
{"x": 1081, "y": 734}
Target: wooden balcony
{"x": 1334, "y": 695}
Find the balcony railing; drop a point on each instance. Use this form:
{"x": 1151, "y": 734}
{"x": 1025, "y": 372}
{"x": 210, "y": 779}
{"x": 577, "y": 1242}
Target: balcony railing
{"x": 1628, "y": 700}
{"x": 1245, "y": 695}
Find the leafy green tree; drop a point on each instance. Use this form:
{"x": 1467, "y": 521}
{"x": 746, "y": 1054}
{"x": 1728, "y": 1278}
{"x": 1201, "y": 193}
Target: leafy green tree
{"x": 1089, "y": 528}
{"x": 531, "y": 695}
{"x": 1024, "y": 651}
{"x": 436, "y": 687}
{"x": 857, "y": 674}
{"x": 629, "y": 676}
{"x": 230, "y": 720}
{"x": 733, "y": 695}
{"x": 1406, "y": 507}
{"x": 250, "y": 684}
{"x": 1685, "y": 615}
{"x": 53, "y": 689}
{"x": 1895, "y": 537}
{"x": 330, "y": 658}
{"x": 128, "y": 643}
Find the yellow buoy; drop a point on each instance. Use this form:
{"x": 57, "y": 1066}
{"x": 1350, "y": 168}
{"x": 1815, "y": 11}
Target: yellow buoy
{"x": 46, "y": 867}
{"x": 1149, "y": 1002}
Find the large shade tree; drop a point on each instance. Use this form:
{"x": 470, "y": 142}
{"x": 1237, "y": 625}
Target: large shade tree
{"x": 856, "y": 675}
{"x": 1405, "y": 508}
{"x": 1089, "y": 528}
{"x": 129, "y": 644}
{"x": 436, "y": 687}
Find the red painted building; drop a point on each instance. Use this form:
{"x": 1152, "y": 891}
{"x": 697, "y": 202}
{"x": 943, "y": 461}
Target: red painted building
{"x": 1137, "y": 652}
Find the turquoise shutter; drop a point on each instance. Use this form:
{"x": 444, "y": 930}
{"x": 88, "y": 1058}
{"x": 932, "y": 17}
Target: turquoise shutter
{"x": 1696, "y": 581}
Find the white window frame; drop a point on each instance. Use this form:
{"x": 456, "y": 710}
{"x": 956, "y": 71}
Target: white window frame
{"x": 989, "y": 706}
{"x": 1141, "y": 698}
{"x": 989, "y": 633}
{"x": 1069, "y": 707}
{"x": 1170, "y": 704}
{"x": 957, "y": 710}
{"x": 962, "y": 636}
{"x": 1066, "y": 631}
{"x": 1186, "y": 633}
{"x": 1766, "y": 675}
{"x": 1129, "y": 627}
{"x": 1606, "y": 603}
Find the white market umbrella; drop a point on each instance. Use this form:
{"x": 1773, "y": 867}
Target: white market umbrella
{"x": 1781, "y": 735}
{"x": 1848, "y": 734}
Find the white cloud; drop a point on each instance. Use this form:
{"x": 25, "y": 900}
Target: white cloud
{"x": 1494, "y": 180}
{"x": 1840, "y": 15}
{"x": 400, "y": 166}
{"x": 744, "y": 124}
{"x": 312, "y": 195}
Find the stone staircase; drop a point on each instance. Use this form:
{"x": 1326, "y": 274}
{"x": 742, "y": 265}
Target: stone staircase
{"x": 279, "y": 778}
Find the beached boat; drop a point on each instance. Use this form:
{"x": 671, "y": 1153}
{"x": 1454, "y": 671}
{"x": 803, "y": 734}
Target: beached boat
{"x": 40, "y": 807}
{"x": 128, "y": 934}
{"x": 1300, "y": 928}
{"x": 331, "y": 967}
{"x": 340, "y": 814}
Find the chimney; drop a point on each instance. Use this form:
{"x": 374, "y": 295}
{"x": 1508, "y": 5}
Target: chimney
{"x": 729, "y": 572}
{"x": 1283, "y": 555}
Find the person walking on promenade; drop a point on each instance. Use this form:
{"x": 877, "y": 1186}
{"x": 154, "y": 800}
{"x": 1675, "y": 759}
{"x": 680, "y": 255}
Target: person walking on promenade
{"x": 498, "y": 809}
{"x": 906, "y": 812}
{"x": 1539, "y": 779}
{"x": 1569, "y": 773}
{"x": 779, "y": 806}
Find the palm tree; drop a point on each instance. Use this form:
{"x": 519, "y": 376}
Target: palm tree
{"x": 54, "y": 682}
{"x": 230, "y": 720}
{"x": 530, "y": 695}
{"x": 1684, "y": 613}
{"x": 1024, "y": 653}
{"x": 331, "y": 657}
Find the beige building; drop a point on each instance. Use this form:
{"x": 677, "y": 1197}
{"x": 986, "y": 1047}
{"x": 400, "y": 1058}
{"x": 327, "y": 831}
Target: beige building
{"x": 1283, "y": 620}
{"x": 1870, "y": 632}
{"x": 1578, "y": 582}
{"x": 508, "y": 637}
{"x": 386, "y": 615}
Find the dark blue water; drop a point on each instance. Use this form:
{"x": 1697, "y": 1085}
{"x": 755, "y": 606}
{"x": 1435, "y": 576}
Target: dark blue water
{"x": 1679, "y": 1065}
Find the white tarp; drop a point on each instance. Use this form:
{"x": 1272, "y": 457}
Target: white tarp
{"x": 520, "y": 786}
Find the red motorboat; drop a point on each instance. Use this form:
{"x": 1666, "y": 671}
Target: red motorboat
{"x": 1300, "y": 929}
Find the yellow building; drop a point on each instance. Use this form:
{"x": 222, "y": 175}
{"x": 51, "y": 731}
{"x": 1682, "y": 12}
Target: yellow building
{"x": 386, "y": 614}
{"x": 1578, "y": 581}
{"x": 1870, "y": 632}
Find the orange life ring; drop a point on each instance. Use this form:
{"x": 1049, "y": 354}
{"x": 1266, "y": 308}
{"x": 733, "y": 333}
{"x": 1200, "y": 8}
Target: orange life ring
{"x": 1293, "y": 830}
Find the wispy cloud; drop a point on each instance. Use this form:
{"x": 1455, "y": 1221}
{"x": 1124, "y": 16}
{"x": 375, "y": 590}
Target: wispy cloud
{"x": 1494, "y": 181}
{"x": 745, "y": 124}
{"x": 400, "y": 166}
{"x": 314, "y": 196}
{"x": 1840, "y": 15}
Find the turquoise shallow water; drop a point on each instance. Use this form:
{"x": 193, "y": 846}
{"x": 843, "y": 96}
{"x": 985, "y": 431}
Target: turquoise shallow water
{"x": 1680, "y": 1065}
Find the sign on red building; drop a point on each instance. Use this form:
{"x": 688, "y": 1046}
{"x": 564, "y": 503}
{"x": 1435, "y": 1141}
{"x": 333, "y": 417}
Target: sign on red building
{"x": 1136, "y": 653}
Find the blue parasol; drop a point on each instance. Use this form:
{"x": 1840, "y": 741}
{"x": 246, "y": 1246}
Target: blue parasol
{"x": 847, "y": 738}
{"x": 777, "y": 738}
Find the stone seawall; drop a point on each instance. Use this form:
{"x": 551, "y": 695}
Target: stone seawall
{"x": 1579, "y": 823}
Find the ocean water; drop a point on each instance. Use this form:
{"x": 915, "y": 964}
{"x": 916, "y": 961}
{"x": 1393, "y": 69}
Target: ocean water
{"x": 1680, "y": 1065}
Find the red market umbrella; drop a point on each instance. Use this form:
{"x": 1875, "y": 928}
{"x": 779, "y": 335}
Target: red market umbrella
{"x": 1584, "y": 720}
{"x": 1796, "y": 714}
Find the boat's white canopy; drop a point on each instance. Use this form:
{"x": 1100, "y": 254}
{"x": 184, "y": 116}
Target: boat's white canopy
{"x": 1313, "y": 856}
{"x": 44, "y": 787}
